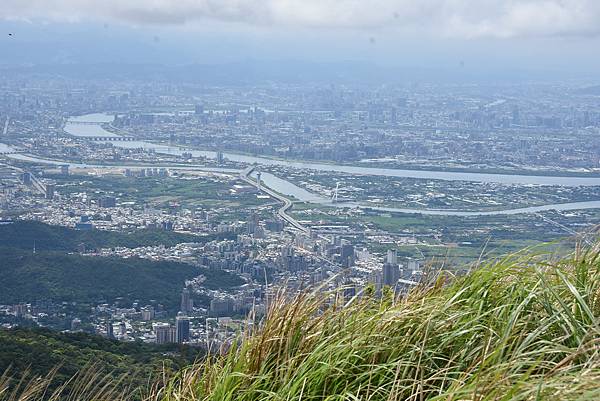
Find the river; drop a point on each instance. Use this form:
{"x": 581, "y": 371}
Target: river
{"x": 74, "y": 127}
{"x": 97, "y": 130}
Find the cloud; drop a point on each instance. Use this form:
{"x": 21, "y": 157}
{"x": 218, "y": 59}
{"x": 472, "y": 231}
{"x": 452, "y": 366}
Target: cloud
{"x": 444, "y": 18}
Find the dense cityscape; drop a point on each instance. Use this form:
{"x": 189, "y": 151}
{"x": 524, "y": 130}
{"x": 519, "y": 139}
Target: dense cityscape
{"x": 287, "y": 186}
{"x": 311, "y": 200}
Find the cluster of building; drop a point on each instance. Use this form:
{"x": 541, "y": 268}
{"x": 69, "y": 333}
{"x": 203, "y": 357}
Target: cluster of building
{"x": 418, "y": 126}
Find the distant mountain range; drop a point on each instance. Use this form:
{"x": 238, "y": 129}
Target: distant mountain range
{"x": 254, "y": 72}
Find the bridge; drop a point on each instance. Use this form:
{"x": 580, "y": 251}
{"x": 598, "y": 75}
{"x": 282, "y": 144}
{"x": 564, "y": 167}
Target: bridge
{"x": 109, "y": 138}
{"x": 336, "y": 231}
{"x": 84, "y": 122}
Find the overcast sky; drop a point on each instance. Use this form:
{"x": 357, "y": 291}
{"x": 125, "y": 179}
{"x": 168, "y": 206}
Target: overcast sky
{"x": 528, "y": 34}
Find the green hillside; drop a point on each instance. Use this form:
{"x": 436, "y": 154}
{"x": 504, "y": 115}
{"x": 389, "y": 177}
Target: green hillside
{"x": 39, "y": 351}
{"x": 65, "y": 277}
{"x": 522, "y": 328}
{"x": 23, "y": 234}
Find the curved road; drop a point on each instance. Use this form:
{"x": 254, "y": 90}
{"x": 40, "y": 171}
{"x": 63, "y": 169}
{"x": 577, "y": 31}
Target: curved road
{"x": 287, "y": 204}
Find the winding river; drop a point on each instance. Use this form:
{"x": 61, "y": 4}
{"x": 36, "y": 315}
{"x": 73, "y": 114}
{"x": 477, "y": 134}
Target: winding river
{"x": 92, "y": 127}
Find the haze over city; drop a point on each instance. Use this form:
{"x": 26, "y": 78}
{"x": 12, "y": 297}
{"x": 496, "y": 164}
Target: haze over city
{"x": 299, "y": 200}
{"x": 506, "y": 39}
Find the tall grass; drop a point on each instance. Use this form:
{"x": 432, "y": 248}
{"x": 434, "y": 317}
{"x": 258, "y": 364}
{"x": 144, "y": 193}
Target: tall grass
{"x": 89, "y": 384}
{"x": 522, "y": 328}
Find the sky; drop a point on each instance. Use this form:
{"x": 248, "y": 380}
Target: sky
{"x": 531, "y": 35}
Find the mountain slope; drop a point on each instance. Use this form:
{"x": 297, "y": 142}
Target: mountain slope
{"x": 522, "y": 328}
{"x": 59, "y": 277}
{"x": 26, "y": 234}
{"x": 39, "y": 351}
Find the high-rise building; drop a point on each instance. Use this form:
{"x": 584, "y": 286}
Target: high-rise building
{"x": 20, "y": 310}
{"x": 413, "y": 265}
{"x": 347, "y": 255}
{"x": 391, "y": 274}
{"x": 110, "y": 330}
{"x": 49, "y": 193}
{"x": 259, "y": 233}
{"x": 515, "y": 115}
{"x": 290, "y": 261}
{"x": 122, "y": 328}
{"x": 164, "y": 333}
{"x": 75, "y": 324}
{"x": 274, "y": 225}
{"x": 258, "y": 181}
{"x": 413, "y": 270}
{"x": 392, "y": 257}
{"x": 187, "y": 303}
{"x": 108, "y": 201}
{"x": 221, "y": 306}
{"x": 26, "y": 178}
{"x": 183, "y": 329}
{"x": 349, "y": 291}
{"x": 251, "y": 227}
{"x": 199, "y": 110}
{"x": 393, "y": 115}
{"x": 148, "y": 313}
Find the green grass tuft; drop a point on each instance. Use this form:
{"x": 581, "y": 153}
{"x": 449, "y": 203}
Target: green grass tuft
{"x": 521, "y": 328}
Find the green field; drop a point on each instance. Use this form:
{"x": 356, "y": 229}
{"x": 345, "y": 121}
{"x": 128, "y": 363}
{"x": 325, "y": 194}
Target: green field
{"x": 161, "y": 192}
{"x": 458, "y": 239}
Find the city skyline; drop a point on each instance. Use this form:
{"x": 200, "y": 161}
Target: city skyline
{"x": 286, "y": 199}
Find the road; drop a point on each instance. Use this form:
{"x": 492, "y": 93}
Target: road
{"x": 35, "y": 181}
{"x": 287, "y": 204}
{"x": 282, "y": 212}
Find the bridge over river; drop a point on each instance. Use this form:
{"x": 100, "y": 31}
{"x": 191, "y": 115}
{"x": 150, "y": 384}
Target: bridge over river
{"x": 110, "y": 138}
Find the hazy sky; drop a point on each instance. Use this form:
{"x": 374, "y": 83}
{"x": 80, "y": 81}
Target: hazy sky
{"x": 516, "y": 34}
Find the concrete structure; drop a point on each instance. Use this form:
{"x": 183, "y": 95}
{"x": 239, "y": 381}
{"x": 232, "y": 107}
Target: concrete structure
{"x": 164, "y": 332}
{"x": 182, "y": 329}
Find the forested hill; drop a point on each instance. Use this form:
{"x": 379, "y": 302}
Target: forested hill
{"x": 59, "y": 277}
{"x": 40, "y": 350}
{"x": 23, "y": 234}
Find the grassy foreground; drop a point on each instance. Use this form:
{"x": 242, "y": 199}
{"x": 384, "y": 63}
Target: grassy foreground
{"x": 522, "y": 328}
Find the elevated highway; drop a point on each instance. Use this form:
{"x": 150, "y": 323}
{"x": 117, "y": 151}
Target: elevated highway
{"x": 287, "y": 204}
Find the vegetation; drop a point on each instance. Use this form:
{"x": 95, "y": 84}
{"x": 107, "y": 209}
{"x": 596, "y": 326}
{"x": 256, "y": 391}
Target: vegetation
{"x": 418, "y": 193}
{"x": 521, "y": 328}
{"x": 72, "y": 278}
{"x": 187, "y": 190}
{"x": 23, "y": 234}
{"x": 525, "y": 327}
{"x": 40, "y": 351}
{"x": 457, "y": 239}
